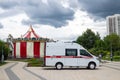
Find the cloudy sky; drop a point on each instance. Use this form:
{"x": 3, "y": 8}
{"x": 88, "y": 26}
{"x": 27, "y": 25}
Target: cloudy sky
{"x": 55, "y": 19}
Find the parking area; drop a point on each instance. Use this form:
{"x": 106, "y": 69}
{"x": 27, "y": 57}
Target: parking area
{"x": 19, "y": 71}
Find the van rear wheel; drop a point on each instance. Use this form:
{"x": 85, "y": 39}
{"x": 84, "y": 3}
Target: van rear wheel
{"x": 59, "y": 66}
{"x": 92, "y": 65}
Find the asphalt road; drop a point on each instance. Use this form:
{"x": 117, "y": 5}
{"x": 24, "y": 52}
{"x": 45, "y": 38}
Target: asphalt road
{"x": 18, "y": 71}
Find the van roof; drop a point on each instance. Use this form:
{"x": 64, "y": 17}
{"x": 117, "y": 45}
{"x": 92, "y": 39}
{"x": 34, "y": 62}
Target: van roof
{"x": 67, "y": 44}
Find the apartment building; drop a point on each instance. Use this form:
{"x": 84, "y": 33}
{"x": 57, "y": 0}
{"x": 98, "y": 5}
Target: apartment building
{"x": 113, "y": 24}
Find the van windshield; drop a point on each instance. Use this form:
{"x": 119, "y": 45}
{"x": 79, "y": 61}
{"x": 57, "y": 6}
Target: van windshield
{"x": 84, "y": 53}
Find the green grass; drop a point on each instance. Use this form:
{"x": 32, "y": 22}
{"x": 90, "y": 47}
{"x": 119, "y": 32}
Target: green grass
{"x": 32, "y": 62}
{"x": 115, "y": 58}
{"x": 35, "y": 62}
{"x": 2, "y": 63}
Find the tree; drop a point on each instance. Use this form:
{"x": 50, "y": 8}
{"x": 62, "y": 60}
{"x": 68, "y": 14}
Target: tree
{"x": 99, "y": 44}
{"x": 112, "y": 42}
{"x": 3, "y": 49}
{"x": 88, "y": 39}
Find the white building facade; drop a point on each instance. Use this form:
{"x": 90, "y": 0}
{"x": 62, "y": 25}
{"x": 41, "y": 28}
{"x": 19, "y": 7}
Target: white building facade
{"x": 113, "y": 24}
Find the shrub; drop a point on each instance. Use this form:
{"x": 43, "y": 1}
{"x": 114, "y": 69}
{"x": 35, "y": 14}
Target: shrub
{"x": 117, "y": 53}
{"x": 116, "y": 58}
{"x": 5, "y": 49}
{"x": 34, "y": 62}
{"x": 96, "y": 52}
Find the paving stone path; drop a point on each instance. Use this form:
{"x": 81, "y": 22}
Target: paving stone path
{"x": 18, "y": 71}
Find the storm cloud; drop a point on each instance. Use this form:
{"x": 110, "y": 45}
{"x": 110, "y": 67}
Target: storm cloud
{"x": 100, "y": 8}
{"x": 50, "y": 13}
{"x": 1, "y": 26}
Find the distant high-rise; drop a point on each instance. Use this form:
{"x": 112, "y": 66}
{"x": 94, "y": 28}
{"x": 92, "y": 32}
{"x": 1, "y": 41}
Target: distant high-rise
{"x": 113, "y": 24}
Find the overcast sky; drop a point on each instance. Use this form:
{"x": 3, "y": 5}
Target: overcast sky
{"x": 55, "y": 19}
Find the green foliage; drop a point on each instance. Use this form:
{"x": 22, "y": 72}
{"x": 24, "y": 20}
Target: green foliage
{"x": 116, "y": 58}
{"x": 117, "y": 53}
{"x": 4, "y": 49}
{"x": 2, "y": 63}
{"x": 96, "y": 46}
{"x": 99, "y": 44}
{"x": 112, "y": 41}
{"x": 88, "y": 39}
{"x": 96, "y": 52}
{"x": 34, "y": 62}
{"x": 93, "y": 51}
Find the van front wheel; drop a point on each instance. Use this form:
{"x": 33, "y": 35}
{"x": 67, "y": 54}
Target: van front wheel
{"x": 59, "y": 66}
{"x": 92, "y": 65}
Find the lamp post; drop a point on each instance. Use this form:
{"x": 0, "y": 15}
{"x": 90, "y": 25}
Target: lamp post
{"x": 2, "y": 58}
{"x": 111, "y": 54}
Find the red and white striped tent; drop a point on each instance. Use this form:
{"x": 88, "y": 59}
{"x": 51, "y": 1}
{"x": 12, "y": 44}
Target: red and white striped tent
{"x": 29, "y": 46}
{"x": 30, "y": 34}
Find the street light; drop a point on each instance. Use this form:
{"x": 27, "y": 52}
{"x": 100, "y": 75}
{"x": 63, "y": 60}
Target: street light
{"x": 2, "y": 58}
{"x": 111, "y": 54}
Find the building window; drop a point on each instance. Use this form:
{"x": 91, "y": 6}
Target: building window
{"x": 71, "y": 52}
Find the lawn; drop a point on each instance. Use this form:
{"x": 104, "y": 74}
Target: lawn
{"x": 2, "y": 63}
{"x": 35, "y": 62}
{"x": 115, "y": 58}
{"x": 32, "y": 62}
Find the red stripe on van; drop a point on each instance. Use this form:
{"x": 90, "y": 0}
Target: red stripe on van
{"x": 87, "y": 57}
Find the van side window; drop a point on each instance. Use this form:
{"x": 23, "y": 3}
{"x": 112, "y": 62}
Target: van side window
{"x": 70, "y": 52}
{"x": 84, "y": 53}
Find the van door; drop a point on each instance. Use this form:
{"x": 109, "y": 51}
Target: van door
{"x": 84, "y": 58}
{"x": 70, "y": 57}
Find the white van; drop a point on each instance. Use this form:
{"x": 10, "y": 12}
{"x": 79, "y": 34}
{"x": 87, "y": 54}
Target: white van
{"x": 60, "y": 54}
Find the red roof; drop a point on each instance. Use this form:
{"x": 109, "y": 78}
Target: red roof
{"x": 30, "y": 33}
